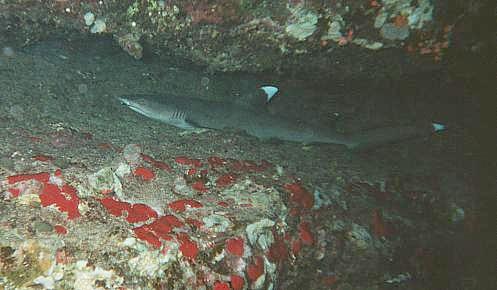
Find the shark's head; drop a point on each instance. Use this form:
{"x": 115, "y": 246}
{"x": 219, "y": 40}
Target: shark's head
{"x": 137, "y": 104}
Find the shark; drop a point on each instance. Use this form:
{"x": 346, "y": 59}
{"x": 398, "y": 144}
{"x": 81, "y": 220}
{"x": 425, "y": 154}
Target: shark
{"x": 193, "y": 113}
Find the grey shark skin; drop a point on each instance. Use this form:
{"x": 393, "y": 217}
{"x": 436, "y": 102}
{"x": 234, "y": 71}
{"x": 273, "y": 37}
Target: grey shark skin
{"x": 190, "y": 113}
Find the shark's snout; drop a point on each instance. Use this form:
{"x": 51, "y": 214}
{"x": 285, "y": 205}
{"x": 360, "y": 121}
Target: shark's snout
{"x": 124, "y": 101}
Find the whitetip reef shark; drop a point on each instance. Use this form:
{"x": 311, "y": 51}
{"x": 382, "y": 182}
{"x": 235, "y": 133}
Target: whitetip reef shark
{"x": 190, "y": 113}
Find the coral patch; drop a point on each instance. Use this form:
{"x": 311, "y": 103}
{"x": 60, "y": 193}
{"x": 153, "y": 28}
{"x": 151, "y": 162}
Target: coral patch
{"x": 41, "y": 177}
{"x": 193, "y": 222}
{"x": 306, "y": 234}
{"x": 300, "y": 195}
{"x": 140, "y": 212}
{"x": 61, "y": 230}
{"x": 237, "y": 282}
{"x": 250, "y": 166}
{"x": 42, "y": 158}
{"x": 145, "y": 173}
{"x": 188, "y": 161}
{"x": 65, "y": 200}
{"x": 155, "y": 163}
{"x": 143, "y": 234}
{"x": 164, "y": 225}
{"x": 278, "y": 251}
{"x": 296, "y": 246}
{"x": 225, "y": 180}
{"x": 115, "y": 207}
{"x": 215, "y": 161}
{"x": 380, "y": 228}
{"x": 180, "y": 205}
{"x": 218, "y": 285}
{"x": 188, "y": 248}
{"x": 199, "y": 186}
{"x": 235, "y": 246}
{"x": 14, "y": 192}
{"x": 256, "y": 269}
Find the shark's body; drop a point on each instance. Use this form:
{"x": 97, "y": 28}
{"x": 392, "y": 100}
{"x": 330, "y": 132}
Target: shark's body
{"x": 189, "y": 113}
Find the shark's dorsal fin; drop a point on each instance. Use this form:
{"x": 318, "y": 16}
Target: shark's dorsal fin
{"x": 270, "y": 92}
{"x": 260, "y": 98}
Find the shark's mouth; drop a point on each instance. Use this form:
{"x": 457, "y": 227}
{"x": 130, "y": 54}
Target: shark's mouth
{"x": 124, "y": 101}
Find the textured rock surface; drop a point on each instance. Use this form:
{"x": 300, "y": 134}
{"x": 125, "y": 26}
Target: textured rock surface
{"x": 339, "y": 39}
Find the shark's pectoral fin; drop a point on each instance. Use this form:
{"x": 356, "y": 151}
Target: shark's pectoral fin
{"x": 186, "y": 124}
{"x": 193, "y": 131}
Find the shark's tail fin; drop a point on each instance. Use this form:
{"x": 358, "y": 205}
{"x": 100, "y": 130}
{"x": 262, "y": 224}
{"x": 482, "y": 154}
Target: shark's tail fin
{"x": 385, "y": 135}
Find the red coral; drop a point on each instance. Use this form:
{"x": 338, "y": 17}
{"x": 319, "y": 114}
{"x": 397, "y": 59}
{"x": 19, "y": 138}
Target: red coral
{"x": 218, "y": 285}
{"x": 42, "y": 158}
{"x": 157, "y": 164}
{"x": 66, "y": 199}
{"x": 164, "y": 225}
{"x": 296, "y": 246}
{"x": 237, "y": 282}
{"x": 250, "y": 166}
{"x": 58, "y": 172}
{"x": 144, "y": 234}
{"x": 140, "y": 212}
{"x": 306, "y": 234}
{"x": 188, "y": 248}
{"x": 380, "y": 228}
{"x": 115, "y": 207}
{"x": 194, "y": 222}
{"x": 145, "y": 173}
{"x": 180, "y": 205}
{"x": 203, "y": 13}
{"x": 199, "y": 186}
{"x": 278, "y": 251}
{"x": 235, "y": 246}
{"x": 63, "y": 257}
{"x": 14, "y": 192}
{"x": 188, "y": 161}
{"x": 225, "y": 180}
{"x": 329, "y": 280}
{"x": 41, "y": 177}
{"x": 256, "y": 269}
{"x": 300, "y": 195}
{"x": 61, "y": 230}
{"x": 215, "y": 161}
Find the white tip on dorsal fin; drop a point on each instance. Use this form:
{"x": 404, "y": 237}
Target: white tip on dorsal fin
{"x": 270, "y": 92}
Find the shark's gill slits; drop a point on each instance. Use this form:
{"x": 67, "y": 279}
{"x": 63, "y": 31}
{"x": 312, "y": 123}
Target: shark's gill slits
{"x": 178, "y": 115}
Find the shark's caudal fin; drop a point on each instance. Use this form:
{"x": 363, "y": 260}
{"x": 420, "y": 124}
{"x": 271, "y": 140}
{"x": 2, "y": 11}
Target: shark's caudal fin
{"x": 381, "y": 136}
{"x": 438, "y": 127}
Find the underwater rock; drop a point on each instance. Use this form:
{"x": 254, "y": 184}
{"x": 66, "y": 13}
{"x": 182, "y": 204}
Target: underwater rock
{"x": 99, "y": 26}
{"x": 302, "y": 23}
{"x": 392, "y": 32}
{"x": 89, "y": 18}
{"x": 130, "y": 43}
